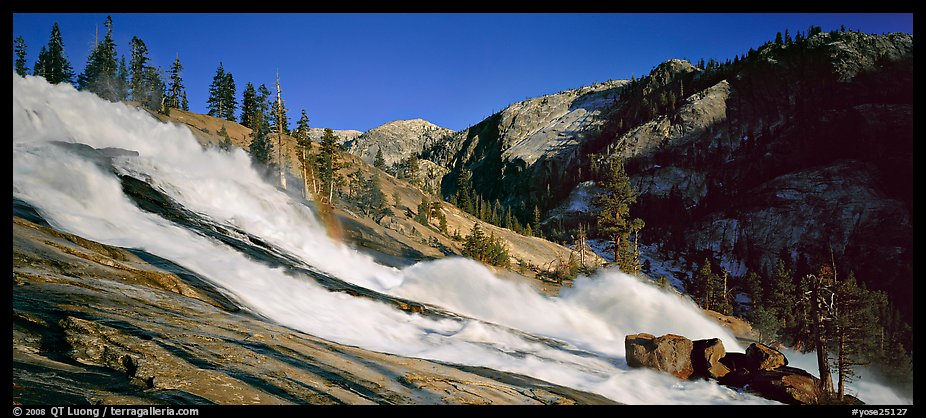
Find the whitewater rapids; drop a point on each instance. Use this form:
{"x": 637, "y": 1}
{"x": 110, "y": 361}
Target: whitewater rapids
{"x": 587, "y": 322}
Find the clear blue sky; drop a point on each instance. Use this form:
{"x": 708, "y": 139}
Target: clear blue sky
{"x": 358, "y": 71}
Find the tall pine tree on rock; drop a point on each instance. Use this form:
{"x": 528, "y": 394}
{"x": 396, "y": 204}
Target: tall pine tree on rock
{"x": 100, "y": 75}
{"x": 176, "y": 92}
{"x": 52, "y": 64}
{"x": 221, "y": 102}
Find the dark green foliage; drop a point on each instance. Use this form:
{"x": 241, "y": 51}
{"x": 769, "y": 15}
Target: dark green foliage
{"x": 423, "y": 216}
{"x": 328, "y": 163}
{"x": 100, "y": 75}
{"x": 408, "y": 170}
{"x": 154, "y": 95}
{"x": 614, "y": 220}
{"x": 442, "y": 222}
{"x": 19, "y": 48}
{"x": 280, "y": 119}
{"x": 261, "y": 149}
{"x": 487, "y": 249}
{"x": 563, "y": 270}
{"x": 855, "y": 327}
{"x": 378, "y": 161}
{"x": 754, "y": 288}
{"x": 147, "y": 84}
{"x": 52, "y": 64}
{"x": 122, "y": 80}
{"x": 249, "y": 105}
{"x": 302, "y": 126}
{"x": 766, "y": 324}
{"x": 368, "y": 197}
{"x": 228, "y": 97}
{"x": 708, "y": 289}
{"x": 139, "y": 69}
{"x": 780, "y": 297}
{"x": 226, "y": 143}
{"x": 306, "y": 157}
{"x": 465, "y": 195}
{"x": 536, "y": 221}
{"x": 176, "y": 92}
{"x": 221, "y": 102}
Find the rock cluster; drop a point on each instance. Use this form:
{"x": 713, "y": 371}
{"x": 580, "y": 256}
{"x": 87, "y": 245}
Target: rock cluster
{"x": 761, "y": 370}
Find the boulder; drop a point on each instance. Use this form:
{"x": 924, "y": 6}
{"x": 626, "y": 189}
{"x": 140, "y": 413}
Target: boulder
{"x": 705, "y": 358}
{"x": 762, "y": 357}
{"x": 669, "y": 353}
{"x": 788, "y": 385}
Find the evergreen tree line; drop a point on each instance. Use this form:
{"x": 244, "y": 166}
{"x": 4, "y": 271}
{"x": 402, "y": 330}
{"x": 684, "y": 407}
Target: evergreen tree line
{"x": 468, "y": 200}
{"x": 104, "y": 76}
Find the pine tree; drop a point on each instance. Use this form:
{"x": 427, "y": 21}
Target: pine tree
{"x": 614, "y": 216}
{"x": 216, "y": 103}
{"x": 261, "y": 148}
{"x": 263, "y": 105}
{"x": 753, "y": 285}
{"x": 151, "y": 93}
{"x": 379, "y": 206}
{"x": 122, "y": 80}
{"x": 19, "y": 47}
{"x": 378, "y": 161}
{"x": 306, "y": 159}
{"x": 411, "y": 170}
{"x": 487, "y": 249}
{"x": 856, "y": 328}
{"x": 228, "y": 97}
{"x": 442, "y": 219}
{"x": 249, "y": 105}
{"x": 474, "y": 245}
{"x": 780, "y": 297}
{"x": 536, "y": 229}
{"x": 226, "y": 143}
{"x": 176, "y": 90}
{"x": 706, "y": 286}
{"x": 820, "y": 310}
{"x": 465, "y": 193}
{"x": 40, "y": 64}
{"x": 52, "y": 64}
{"x": 328, "y": 162}
{"x": 280, "y": 122}
{"x": 100, "y": 75}
{"x": 424, "y": 211}
{"x": 139, "y": 69}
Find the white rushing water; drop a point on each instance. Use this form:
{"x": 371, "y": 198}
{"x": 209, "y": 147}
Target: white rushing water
{"x": 591, "y": 318}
